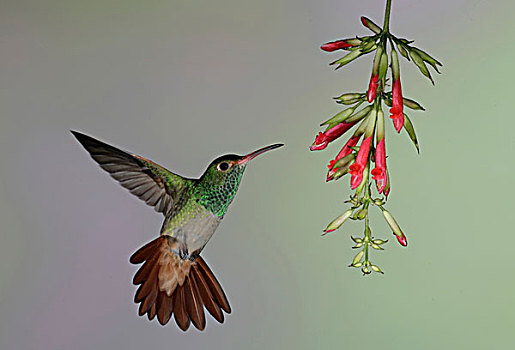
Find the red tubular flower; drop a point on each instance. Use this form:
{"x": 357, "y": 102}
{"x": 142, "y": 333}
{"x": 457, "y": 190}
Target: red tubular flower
{"x": 345, "y": 151}
{"x": 337, "y": 131}
{"x": 372, "y": 87}
{"x": 320, "y": 142}
{"x": 336, "y": 45}
{"x": 356, "y": 169}
{"x": 379, "y": 172}
{"x": 397, "y": 105}
{"x": 323, "y": 139}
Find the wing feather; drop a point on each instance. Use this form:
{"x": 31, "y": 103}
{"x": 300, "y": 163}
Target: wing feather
{"x": 152, "y": 183}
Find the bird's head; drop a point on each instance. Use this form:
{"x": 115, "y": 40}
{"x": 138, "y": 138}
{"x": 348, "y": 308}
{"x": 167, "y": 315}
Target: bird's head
{"x": 221, "y": 180}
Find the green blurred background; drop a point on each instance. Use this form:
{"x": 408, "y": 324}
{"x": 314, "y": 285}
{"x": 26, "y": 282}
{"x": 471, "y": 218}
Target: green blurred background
{"x": 182, "y": 82}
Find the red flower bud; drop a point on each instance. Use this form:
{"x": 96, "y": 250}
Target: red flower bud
{"x": 370, "y": 25}
{"x": 402, "y": 240}
{"x": 336, "y": 45}
{"x": 356, "y": 169}
{"x": 395, "y": 227}
{"x": 372, "y": 87}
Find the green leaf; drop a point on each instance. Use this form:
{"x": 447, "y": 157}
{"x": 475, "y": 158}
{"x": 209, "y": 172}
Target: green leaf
{"x": 402, "y": 50}
{"x": 347, "y": 58}
{"x": 412, "y": 104}
{"x": 339, "y": 117}
{"x": 406, "y": 41}
{"x": 360, "y": 114}
{"x": 421, "y": 65}
{"x": 425, "y": 56}
{"x": 408, "y": 125}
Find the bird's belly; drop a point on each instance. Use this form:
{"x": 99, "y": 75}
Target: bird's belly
{"x": 196, "y": 231}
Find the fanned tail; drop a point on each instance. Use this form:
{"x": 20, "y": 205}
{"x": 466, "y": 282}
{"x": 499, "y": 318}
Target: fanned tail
{"x": 171, "y": 285}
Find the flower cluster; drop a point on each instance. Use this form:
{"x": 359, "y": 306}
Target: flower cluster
{"x": 364, "y": 112}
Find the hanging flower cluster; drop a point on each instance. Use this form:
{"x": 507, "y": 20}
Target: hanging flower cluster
{"x": 368, "y": 161}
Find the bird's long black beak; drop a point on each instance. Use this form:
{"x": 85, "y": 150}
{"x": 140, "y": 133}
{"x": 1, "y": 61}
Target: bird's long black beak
{"x": 254, "y": 154}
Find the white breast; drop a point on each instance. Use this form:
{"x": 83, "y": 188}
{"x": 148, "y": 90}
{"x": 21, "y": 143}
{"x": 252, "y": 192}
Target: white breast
{"x": 195, "y": 233}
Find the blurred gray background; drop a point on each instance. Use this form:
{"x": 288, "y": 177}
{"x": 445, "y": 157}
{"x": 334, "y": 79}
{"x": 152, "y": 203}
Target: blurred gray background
{"x": 182, "y": 82}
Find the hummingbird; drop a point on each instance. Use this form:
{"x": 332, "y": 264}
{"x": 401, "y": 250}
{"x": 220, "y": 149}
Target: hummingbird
{"x": 174, "y": 279}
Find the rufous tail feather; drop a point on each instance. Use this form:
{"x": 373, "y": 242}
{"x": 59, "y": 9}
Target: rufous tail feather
{"x": 171, "y": 285}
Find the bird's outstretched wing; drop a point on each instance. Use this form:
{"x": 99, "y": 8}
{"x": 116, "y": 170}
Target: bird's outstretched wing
{"x": 149, "y": 181}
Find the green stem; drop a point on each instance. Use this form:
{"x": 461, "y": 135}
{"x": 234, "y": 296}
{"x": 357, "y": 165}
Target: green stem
{"x": 386, "y": 28}
{"x": 367, "y": 239}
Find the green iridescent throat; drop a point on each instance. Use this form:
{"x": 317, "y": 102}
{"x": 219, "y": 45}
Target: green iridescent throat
{"x": 216, "y": 190}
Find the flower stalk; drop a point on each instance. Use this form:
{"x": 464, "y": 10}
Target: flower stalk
{"x": 364, "y": 155}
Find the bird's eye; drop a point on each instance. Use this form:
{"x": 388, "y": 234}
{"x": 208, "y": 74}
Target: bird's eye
{"x": 223, "y": 166}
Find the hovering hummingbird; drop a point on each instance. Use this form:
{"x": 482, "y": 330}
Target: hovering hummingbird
{"x": 174, "y": 278}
